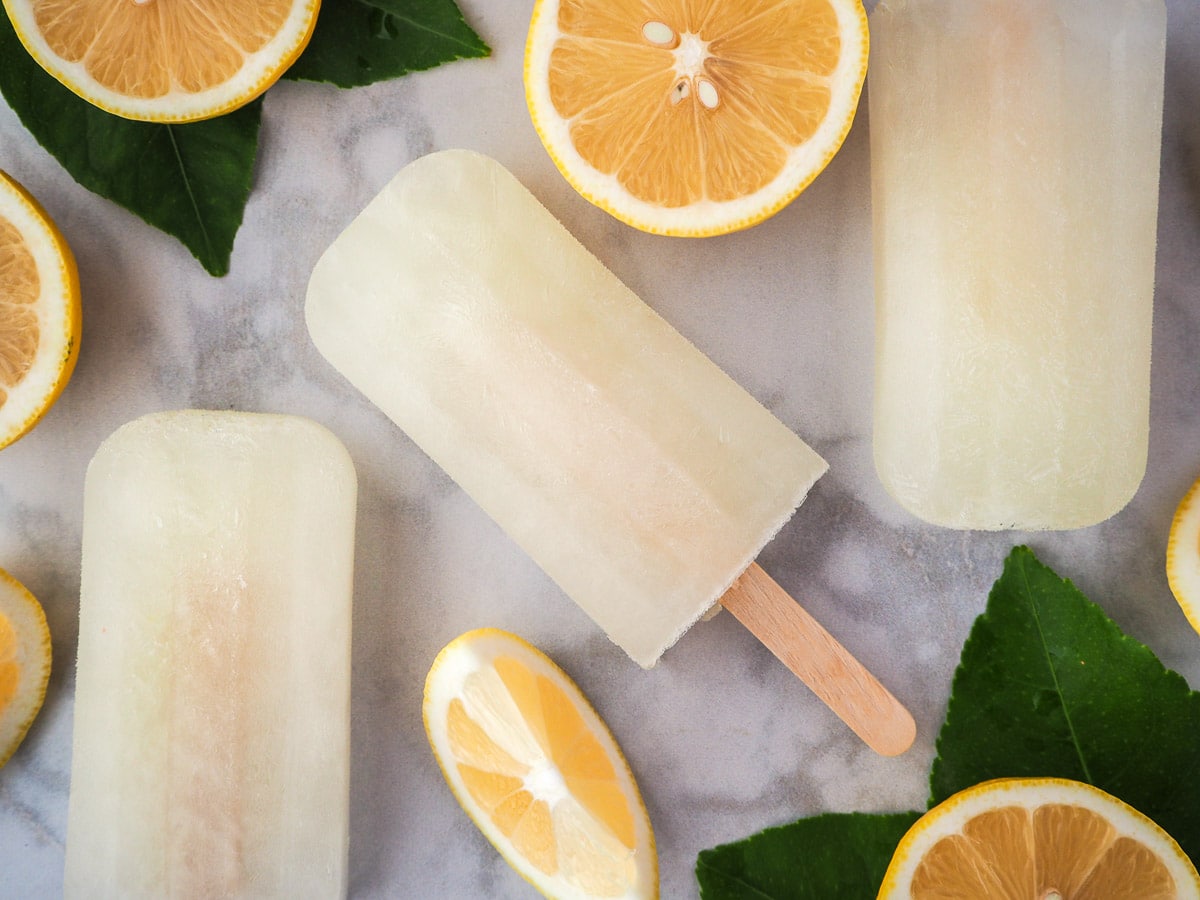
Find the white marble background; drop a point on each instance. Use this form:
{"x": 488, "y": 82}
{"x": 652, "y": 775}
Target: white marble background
{"x": 723, "y": 740}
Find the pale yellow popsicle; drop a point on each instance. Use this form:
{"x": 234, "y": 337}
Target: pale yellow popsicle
{"x": 637, "y": 474}
{"x": 1014, "y": 157}
{"x": 211, "y": 737}
{"x": 633, "y": 470}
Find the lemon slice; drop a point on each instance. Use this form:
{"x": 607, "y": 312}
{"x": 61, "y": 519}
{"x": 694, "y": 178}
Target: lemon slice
{"x": 689, "y": 117}
{"x": 1038, "y": 839}
{"x": 24, "y": 662}
{"x": 1183, "y": 555}
{"x": 537, "y": 770}
{"x": 39, "y": 312}
{"x": 165, "y": 61}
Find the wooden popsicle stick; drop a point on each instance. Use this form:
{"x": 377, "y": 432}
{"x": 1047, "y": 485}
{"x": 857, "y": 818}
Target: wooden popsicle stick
{"x": 812, "y": 653}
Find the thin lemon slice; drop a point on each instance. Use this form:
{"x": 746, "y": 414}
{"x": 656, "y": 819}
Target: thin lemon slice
{"x": 39, "y": 312}
{"x": 689, "y": 117}
{"x": 1183, "y": 555}
{"x": 24, "y": 662}
{"x": 537, "y": 770}
{"x": 1038, "y": 839}
{"x": 163, "y": 61}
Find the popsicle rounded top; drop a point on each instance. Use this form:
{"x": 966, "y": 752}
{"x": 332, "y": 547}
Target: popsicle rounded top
{"x": 171, "y": 447}
{"x": 637, "y": 474}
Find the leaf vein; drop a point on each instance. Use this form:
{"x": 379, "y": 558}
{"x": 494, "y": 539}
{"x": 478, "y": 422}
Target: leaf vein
{"x": 1037, "y": 620}
{"x": 442, "y": 34}
{"x": 187, "y": 186}
{"x": 740, "y": 882}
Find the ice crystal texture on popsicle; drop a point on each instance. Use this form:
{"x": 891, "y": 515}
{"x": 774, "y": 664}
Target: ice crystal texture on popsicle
{"x": 211, "y": 742}
{"x": 1014, "y": 156}
{"x": 635, "y": 472}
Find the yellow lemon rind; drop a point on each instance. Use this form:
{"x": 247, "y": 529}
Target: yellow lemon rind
{"x": 948, "y": 816}
{"x": 704, "y": 219}
{"x": 177, "y": 107}
{"x": 61, "y": 313}
{"x": 477, "y": 648}
{"x": 28, "y": 618}
{"x": 1183, "y": 555}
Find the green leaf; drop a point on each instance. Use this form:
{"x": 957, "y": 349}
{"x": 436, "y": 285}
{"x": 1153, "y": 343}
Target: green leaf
{"x": 1049, "y": 685}
{"x": 841, "y": 855}
{"x": 190, "y": 181}
{"x": 363, "y": 41}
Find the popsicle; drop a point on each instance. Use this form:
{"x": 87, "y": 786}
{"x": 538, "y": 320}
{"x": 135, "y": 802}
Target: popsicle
{"x": 211, "y": 737}
{"x": 1015, "y": 158}
{"x": 637, "y": 474}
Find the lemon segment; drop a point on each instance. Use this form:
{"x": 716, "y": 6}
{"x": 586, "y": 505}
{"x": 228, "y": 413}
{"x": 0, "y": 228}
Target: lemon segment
{"x": 158, "y": 61}
{"x": 40, "y": 315}
{"x": 537, "y": 770}
{"x": 1037, "y": 839}
{"x": 693, "y": 118}
{"x": 1183, "y": 555}
{"x": 25, "y": 654}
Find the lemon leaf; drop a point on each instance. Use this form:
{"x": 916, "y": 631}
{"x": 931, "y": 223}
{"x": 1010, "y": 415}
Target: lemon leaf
{"x": 1048, "y": 685}
{"x": 359, "y": 42}
{"x": 190, "y": 181}
{"x": 833, "y": 855}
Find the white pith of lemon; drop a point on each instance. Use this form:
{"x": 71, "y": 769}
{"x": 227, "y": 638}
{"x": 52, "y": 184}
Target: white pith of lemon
{"x": 1038, "y": 839}
{"x": 159, "y": 61}
{"x": 40, "y": 315}
{"x": 694, "y": 118}
{"x": 537, "y": 770}
{"x": 25, "y": 654}
{"x": 1183, "y": 555}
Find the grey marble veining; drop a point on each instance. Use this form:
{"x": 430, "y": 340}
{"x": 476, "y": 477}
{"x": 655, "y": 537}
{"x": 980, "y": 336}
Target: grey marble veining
{"x": 723, "y": 740}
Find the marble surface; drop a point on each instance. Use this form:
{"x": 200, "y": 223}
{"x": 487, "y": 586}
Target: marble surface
{"x": 723, "y": 740}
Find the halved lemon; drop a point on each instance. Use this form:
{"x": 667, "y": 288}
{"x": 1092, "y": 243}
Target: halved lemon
{"x": 24, "y": 662}
{"x": 39, "y": 311}
{"x": 1038, "y": 839}
{"x": 163, "y": 61}
{"x": 1183, "y": 555}
{"x": 537, "y": 770}
{"x": 690, "y": 117}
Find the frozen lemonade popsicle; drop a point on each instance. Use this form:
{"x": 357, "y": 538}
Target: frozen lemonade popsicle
{"x": 639, "y": 476}
{"x": 211, "y": 742}
{"x": 1014, "y": 156}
